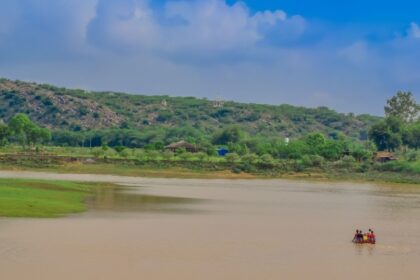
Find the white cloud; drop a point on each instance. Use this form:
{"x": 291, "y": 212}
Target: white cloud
{"x": 45, "y": 27}
{"x": 184, "y": 26}
{"x": 125, "y": 24}
{"x": 204, "y": 48}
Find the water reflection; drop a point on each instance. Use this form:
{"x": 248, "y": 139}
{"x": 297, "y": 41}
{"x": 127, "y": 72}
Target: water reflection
{"x": 120, "y": 199}
{"x": 364, "y": 249}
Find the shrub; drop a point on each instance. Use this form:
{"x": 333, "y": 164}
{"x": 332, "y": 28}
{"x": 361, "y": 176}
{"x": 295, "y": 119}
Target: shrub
{"x": 232, "y": 157}
{"x": 347, "y": 162}
{"x": 250, "y": 158}
{"x": 411, "y": 156}
{"x": 267, "y": 158}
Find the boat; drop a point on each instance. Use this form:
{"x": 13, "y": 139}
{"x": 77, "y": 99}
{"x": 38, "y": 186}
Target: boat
{"x": 364, "y": 241}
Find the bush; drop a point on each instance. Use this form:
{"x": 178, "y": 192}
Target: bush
{"x": 97, "y": 152}
{"x": 250, "y": 158}
{"x": 313, "y": 161}
{"x": 232, "y": 157}
{"x": 267, "y": 158}
{"x": 411, "y": 156}
{"x": 364, "y": 167}
{"x": 347, "y": 162}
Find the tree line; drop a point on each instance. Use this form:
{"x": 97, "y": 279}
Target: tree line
{"x": 400, "y": 128}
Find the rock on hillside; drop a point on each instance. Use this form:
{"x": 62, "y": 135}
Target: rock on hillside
{"x": 53, "y": 109}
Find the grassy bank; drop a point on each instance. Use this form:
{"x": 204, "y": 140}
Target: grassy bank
{"x": 42, "y": 199}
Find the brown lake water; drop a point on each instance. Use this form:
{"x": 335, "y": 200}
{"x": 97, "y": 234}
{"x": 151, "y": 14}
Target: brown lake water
{"x": 203, "y": 229}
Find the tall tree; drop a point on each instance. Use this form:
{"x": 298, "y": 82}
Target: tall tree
{"x": 18, "y": 126}
{"x": 387, "y": 135}
{"x": 231, "y": 134}
{"x": 4, "y": 133}
{"x": 26, "y": 132}
{"x": 380, "y": 135}
{"x": 403, "y": 106}
{"x": 411, "y": 135}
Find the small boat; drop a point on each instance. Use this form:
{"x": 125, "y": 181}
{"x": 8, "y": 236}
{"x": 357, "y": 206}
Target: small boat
{"x": 364, "y": 238}
{"x": 364, "y": 241}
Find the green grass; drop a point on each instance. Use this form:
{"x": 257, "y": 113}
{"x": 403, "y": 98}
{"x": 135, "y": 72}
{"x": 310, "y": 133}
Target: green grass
{"x": 400, "y": 166}
{"x": 42, "y": 199}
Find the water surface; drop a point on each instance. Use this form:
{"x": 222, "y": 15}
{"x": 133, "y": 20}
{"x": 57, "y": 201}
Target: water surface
{"x": 203, "y": 229}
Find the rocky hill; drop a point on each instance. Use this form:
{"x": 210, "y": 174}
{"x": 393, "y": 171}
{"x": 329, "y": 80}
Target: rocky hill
{"x": 79, "y": 110}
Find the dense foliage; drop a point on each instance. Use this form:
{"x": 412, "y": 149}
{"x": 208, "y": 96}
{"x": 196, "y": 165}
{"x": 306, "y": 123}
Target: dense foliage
{"x": 76, "y": 117}
{"x": 139, "y": 127}
{"x": 401, "y": 126}
{"x": 23, "y": 131}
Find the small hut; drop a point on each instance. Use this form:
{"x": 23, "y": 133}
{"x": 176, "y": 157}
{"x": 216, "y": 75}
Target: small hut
{"x": 222, "y": 151}
{"x": 384, "y": 157}
{"x": 182, "y": 145}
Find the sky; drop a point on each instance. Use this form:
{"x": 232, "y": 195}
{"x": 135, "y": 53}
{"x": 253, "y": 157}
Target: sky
{"x": 348, "y": 55}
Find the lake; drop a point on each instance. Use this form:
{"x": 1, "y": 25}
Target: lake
{"x": 220, "y": 229}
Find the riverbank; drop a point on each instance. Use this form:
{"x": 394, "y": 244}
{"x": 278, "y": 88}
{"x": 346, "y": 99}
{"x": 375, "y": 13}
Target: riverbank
{"x": 190, "y": 171}
{"x": 400, "y": 171}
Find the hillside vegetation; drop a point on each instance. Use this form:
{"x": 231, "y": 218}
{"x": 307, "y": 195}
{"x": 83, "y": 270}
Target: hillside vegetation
{"x": 49, "y": 127}
{"x": 166, "y": 119}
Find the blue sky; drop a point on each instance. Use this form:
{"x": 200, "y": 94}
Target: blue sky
{"x": 348, "y": 55}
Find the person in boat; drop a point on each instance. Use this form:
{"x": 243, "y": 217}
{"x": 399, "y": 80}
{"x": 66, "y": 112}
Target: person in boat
{"x": 365, "y": 238}
{"x": 360, "y": 236}
{"x": 372, "y": 237}
{"x": 356, "y": 236}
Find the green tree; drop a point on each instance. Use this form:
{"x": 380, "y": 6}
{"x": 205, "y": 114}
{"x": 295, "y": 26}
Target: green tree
{"x": 403, "y": 106}
{"x": 239, "y": 148}
{"x": 232, "y": 134}
{"x": 332, "y": 149}
{"x": 380, "y": 134}
{"x": 37, "y": 135}
{"x": 411, "y": 135}
{"x": 360, "y": 153}
{"x": 26, "y": 132}
{"x": 315, "y": 140}
{"x": 17, "y": 126}
{"x": 294, "y": 150}
{"x": 4, "y": 134}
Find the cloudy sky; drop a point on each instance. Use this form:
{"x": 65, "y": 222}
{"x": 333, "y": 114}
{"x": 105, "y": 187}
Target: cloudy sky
{"x": 348, "y": 55}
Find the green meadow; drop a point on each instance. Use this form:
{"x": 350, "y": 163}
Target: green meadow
{"x": 42, "y": 199}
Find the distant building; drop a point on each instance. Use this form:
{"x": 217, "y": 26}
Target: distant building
{"x": 222, "y": 152}
{"x": 218, "y": 103}
{"x": 384, "y": 157}
{"x": 182, "y": 145}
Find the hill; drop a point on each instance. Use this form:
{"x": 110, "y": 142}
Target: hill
{"x": 181, "y": 117}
